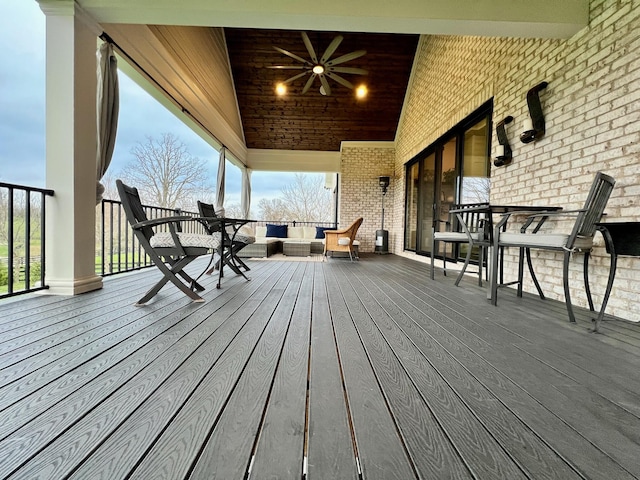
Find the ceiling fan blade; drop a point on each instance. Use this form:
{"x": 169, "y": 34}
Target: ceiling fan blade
{"x": 330, "y": 49}
{"x": 347, "y": 57}
{"x": 287, "y": 67}
{"x": 353, "y": 70}
{"x": 292, "y": 55}
{"x": 307, "y": 43}
{"x": 339, "y": 79}
{"x": 325, "y": 84}
{"x": 307, "y": 85}
{"x": 295, "y": 77}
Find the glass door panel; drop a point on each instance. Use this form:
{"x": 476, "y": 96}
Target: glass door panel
{"x": 411, "y": 213}
{"x": 475, "y": 161}
{"x": 428, "y": 197}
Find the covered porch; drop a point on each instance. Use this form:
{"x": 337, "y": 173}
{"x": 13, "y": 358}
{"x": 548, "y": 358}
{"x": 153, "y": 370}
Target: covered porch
{"x": 329, "y": 370}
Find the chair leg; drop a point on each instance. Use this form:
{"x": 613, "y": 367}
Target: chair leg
{"x": 533, "y": 274}
{"x": 480, "y": 264}
{"x": 466, "y": 264}
{"x": 433, "y": 254}
{"x": 567, "y": 294}
{"x": 587, "y": 287}
{"x": 170, "y": 275}
{"x": 493, "y": 276}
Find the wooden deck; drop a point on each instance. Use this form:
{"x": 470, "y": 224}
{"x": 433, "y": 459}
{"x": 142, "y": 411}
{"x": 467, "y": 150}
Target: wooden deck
{"x": 332, "y": 370}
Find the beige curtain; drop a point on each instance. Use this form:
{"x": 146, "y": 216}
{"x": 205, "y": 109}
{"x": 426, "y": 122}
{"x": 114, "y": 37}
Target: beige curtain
{"x": 107, "y": 103}
{"x": 220, "y": 183}
{"x": 245, "y": 201}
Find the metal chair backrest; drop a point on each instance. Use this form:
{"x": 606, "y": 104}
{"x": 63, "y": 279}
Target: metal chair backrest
{"x": 476, "y": 217}
{"x": 207, "y": 210}
{"x": 133, "y": 209}
{"x": 585, "y": 226}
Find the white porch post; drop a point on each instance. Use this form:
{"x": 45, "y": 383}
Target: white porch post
{"x": 70, "y": 149}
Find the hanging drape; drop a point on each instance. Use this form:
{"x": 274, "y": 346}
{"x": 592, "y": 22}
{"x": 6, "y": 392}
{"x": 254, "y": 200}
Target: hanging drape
{"x": 220, "y": 183}
{"x": 245, "y": 201}
{"x": 107, "y": 105}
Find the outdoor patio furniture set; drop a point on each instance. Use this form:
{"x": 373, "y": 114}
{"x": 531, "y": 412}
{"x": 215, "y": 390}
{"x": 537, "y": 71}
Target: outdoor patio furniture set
{"x": 289, "y": 240}
{"x": 171, "y": 249}
{"x": 472, "y": 225}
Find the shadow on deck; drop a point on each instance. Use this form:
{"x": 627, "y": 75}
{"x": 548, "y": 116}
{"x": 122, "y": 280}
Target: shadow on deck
{"x": 332, "y": 370}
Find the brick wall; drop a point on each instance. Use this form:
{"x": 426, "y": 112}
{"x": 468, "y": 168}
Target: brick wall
{"x": 360, "y": 193}
{"x": 592, "y": 111}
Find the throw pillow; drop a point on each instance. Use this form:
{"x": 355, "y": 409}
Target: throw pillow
{"x": 320, "y": 231}
{"x": 277, "y": 231}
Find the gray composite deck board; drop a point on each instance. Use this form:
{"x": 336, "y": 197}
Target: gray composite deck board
{"x": 330, "y": 449}
{"x": 280, "y": 448}
{"x": 334, "y": 367}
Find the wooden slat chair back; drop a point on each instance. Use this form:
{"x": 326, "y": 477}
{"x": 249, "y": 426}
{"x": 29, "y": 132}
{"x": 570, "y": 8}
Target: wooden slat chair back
{"x": 342, "y": 240}
{"x": 580, "y": 239}
{"x": 171, "y": 251}
{"x": 233, "y": 240}
{"x": 470, "y": 224}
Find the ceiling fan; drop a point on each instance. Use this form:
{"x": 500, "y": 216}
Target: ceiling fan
{"x": 322, "y": 67}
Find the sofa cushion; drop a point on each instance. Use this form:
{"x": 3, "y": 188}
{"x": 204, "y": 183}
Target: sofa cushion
{"x": 295, "y": 232}
{"x": 261, "y": 231}
{"x": 277, "y": 231}
{"x": 309, "y": 232}
{"x": 320, "y": 231}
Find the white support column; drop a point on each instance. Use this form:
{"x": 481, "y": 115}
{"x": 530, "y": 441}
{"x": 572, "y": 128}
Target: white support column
{"x": 70, "y": 149}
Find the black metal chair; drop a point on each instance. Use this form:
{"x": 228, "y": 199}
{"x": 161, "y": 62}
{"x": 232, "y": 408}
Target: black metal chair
{"x": 171, "y": 251}
{"x": 468, "y": 224}
{"x": 233, "y": 240}
{"x": 580, "y": 239}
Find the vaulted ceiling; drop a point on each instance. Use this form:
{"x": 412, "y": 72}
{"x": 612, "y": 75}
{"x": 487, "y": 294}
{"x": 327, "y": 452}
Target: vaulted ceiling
{"x": 180, "y": 50}
{"x": 312, "y": 121}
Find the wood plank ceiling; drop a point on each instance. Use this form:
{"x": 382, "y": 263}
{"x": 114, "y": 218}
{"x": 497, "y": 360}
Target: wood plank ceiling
{"x": 313, "y": 121}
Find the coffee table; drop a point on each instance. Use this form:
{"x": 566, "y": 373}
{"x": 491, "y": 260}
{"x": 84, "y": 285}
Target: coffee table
{"x": 296, "y": 248}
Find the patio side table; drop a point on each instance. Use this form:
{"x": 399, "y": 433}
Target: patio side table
{"x": 620, "y": 238}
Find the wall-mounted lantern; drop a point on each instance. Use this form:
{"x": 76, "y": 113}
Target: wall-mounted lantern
{"x": 503, "y": 154}
{"x": 533, "y": 128}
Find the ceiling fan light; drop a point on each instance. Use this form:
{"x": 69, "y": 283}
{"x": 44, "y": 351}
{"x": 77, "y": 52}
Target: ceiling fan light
{"x": 322, "y": 90}
{"x": 281, "y": 89}
{"x": 318, "y": 69}
{"x": 361, "y": 91}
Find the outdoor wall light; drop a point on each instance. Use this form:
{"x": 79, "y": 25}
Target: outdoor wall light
{"x": 533, "y": 128}
{"x": 503, "y": 154}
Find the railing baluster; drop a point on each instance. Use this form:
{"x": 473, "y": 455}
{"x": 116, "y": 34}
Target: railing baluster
{"x": 26, "y": 211}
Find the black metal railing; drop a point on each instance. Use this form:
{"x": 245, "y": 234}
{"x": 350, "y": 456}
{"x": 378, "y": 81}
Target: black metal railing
{"x": 119, "y": 250}
{"x": 22, "y": 239}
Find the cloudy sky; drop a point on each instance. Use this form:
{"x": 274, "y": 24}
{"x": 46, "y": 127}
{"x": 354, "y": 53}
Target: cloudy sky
{"x": 22, "y": 126}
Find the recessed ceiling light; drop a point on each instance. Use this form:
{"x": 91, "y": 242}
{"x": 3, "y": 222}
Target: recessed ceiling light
{"x": 361, "y": 91}
{"x": 281, "y": 89}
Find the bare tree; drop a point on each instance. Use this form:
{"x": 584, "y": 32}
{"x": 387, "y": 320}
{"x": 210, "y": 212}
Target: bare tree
{"x": 303, "y": 200}
{"x": 274, "y": 209}
{"x": 164, "y": 172}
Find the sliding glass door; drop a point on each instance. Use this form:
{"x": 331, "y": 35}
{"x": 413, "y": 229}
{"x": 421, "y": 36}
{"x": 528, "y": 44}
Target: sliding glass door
{"x": 455, "y": 169}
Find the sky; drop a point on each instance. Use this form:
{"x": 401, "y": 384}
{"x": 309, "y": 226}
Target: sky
{"x": 22, "y": 114}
